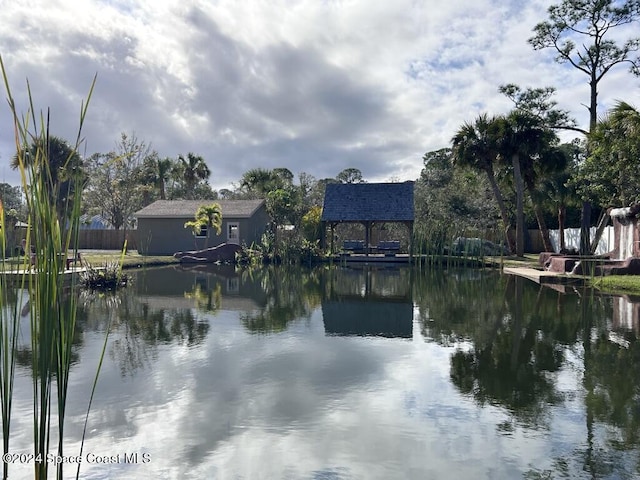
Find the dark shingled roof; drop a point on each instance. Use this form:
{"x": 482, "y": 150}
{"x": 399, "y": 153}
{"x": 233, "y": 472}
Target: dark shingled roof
{"x": 381, "y": 202}
{"x": 187, "y": 208}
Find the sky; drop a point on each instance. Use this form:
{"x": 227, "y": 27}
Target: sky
{"x": 316, "y": 86}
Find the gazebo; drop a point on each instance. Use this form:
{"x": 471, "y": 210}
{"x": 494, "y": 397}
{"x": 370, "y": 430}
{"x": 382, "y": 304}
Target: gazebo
{"x": 367, "y": 204}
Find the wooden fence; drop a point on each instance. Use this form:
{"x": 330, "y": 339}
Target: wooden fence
{"x": 107, "y": 239}
{"x": 87, "y": 240}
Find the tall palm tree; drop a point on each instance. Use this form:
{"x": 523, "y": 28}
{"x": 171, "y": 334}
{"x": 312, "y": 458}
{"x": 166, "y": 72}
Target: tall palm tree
{"x": 540, "y": 160}
{"x": 520, "y": 138}
{"x": 162, "y": 173}
{"x": 194, "y": 170}
{"x": 560, "y": 192}
{"x": 476, "y": 145}
{"x": 155, "y": 174}
{"x": 542, "y": 174}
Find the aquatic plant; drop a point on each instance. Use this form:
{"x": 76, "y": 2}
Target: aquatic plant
{"x": 106, "y": 277}
{"x": 292, "y": 250}
{"x": 445, "y": 245}
{"x": 110, "y": 276}
{"x": 257, "y": 253}
{"x": 52, "y": 230}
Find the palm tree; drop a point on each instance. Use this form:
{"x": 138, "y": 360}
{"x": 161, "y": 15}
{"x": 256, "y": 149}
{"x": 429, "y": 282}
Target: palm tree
{"x": 520, "y": 137}
{"x": 540, "y": 160}
{"x": 615, "y": 145}
{"x": 61, "y": 174}
{"x": 194, "y": 170}
{"x": 544, "y": 176}
{"x": 258, "y": 182}
{"x": 155, "y": 174}
{"x": 561, "y": 193}
{"x": 207, "y": 216}
{"x": 476, "y": 145}
{"x": 162, "y": 173}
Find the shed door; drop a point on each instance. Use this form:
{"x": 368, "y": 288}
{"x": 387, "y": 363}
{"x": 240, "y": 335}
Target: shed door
{"x": 233, "y": 233}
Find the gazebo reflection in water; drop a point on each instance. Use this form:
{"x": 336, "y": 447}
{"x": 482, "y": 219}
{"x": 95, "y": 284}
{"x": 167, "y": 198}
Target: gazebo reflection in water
{"x": 368, "y": 301}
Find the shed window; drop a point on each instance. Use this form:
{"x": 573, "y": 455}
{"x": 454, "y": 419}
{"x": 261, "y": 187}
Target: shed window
{"x": 203, "y": 233}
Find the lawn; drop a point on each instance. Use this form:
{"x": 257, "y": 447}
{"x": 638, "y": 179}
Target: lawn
{"x": 131, "y": 260}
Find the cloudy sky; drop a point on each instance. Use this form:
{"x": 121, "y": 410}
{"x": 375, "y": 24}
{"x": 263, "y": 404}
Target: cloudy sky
{"x": 316, "y": 86}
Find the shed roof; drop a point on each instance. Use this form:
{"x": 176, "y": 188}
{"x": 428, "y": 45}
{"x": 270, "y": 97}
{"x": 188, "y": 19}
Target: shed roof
{"x": 187, "y": 208}
{"x": 355, "y": 202}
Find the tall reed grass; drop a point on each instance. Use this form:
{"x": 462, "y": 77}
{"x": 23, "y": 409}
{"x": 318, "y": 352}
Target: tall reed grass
{"x": 433, "y": 244}
{"x": 52, "y": 231}
{"x": 11, "y": 296}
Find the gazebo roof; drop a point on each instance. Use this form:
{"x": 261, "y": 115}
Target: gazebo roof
{"x": 368, "y": 202}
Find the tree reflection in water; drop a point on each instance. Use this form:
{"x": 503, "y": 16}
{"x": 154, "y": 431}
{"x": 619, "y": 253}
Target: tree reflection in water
{"x": 511, "y": 339}
{"x": 512, "y": 363}
{"x": 143, "y": 324}
{"x": 292, "y": 293}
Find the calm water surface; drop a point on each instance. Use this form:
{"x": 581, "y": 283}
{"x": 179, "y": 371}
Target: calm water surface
{"x": 338, "y": 373}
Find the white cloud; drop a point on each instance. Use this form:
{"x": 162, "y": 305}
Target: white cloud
{"x": 308, "y": 85}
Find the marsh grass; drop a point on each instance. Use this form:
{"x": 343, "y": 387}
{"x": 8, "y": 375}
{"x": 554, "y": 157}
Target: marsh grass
{"x": 53, "y": 229}
{"x": 10, "y": 298}
{"x": 432, "y": 247}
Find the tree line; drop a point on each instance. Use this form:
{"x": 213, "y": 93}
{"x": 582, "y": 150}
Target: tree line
{"x": 499, "y": 166}
{"x": 500, "y": 172}
{"x": 118, "y": 183}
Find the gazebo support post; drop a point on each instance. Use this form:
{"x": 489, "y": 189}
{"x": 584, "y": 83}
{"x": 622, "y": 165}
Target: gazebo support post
{"x": 409, "y": 226}
{"x": 367, "y": 236}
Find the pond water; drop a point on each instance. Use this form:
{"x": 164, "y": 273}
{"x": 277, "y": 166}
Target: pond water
{"x": 341, "y": 373}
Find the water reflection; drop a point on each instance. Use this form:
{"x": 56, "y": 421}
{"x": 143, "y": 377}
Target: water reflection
{"x": 290, "y": 294}
{"x": 368, "y": 301}
{"x": 512, "y": 345}
{"x": 306, "y": 373}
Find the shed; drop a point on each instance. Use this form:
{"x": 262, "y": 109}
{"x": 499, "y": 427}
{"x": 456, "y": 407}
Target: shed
{"x": 368, "y": 204}
{"x": 161, "y": 228}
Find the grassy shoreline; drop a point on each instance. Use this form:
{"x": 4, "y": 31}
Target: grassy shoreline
{"x": 615, "y": 284}
{"x": 130, "y": 260}
{"x": 618, "y": 284}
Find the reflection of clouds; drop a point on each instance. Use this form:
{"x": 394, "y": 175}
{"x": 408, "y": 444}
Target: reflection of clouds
{"x": 298, "y": 405}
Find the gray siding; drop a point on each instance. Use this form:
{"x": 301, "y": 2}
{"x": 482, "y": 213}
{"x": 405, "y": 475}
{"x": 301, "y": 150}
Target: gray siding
{"x": 166, "y": 236}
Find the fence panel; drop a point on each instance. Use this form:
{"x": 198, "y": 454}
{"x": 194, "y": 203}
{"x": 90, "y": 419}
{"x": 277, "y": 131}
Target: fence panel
{"x": 106, "y": 239}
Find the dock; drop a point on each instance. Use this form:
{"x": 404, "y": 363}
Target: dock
{"x": 19, "y": 273}
{"x": 372, "y": 258}
{"x": 544, "y": 277}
